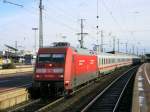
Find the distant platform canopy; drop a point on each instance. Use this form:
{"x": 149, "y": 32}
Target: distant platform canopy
{"x": 10, "y": 47}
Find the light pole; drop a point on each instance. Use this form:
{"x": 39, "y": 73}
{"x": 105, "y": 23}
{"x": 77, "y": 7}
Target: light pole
{"x": 35, "y": 29}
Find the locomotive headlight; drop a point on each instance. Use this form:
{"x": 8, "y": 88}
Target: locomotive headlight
{"x": 58, "y": 70}
{"x": 61, "y": 76}
{"x": 37, "y": 76}
{"x": 50, "y": 65}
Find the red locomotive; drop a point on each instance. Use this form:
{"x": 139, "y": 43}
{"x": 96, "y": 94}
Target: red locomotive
{"x": 62, "y": 68}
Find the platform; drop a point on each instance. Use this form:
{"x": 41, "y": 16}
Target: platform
{"x": 141, "y": 93}
{"x": 15, "y": 71}
{"x": 11, "y": 98}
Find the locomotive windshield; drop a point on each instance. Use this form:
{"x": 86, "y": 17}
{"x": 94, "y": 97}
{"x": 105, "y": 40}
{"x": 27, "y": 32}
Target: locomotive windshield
{"x": 47, "y": 58}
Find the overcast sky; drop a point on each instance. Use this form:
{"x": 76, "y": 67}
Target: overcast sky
{"x": 127, "y": 20}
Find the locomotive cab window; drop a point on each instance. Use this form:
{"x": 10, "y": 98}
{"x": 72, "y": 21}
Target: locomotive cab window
{"x": 51, "y": 58}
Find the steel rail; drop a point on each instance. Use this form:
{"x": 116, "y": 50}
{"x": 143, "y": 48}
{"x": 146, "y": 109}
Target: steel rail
{"x": 114, "y": 110}
{"x": 103, "y": 92}
{"x": 62, "y": 98}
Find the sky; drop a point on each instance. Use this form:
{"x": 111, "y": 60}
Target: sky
{"x": 126, "y": 20}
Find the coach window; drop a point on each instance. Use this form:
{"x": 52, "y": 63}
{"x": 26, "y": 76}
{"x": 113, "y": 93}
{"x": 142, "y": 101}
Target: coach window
{"x": 99, "y": 61}
{"x": 104, "y": 61}
{"x": 107, "y": 61}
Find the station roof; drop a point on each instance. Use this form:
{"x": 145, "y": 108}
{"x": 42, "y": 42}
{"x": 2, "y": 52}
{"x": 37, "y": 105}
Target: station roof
{"x": 12, "y": 48}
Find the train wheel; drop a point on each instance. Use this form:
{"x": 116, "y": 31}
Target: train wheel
{"x": 67, "y": 93}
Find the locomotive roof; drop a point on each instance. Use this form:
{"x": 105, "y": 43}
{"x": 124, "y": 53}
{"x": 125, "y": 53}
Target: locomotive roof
{"x": 83, "y": 51}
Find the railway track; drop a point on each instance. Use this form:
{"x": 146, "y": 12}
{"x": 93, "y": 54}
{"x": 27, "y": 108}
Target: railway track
{"x": 41, "y": 105}
{"x": 33, "y": 106}
{"x": 109, "y": 99}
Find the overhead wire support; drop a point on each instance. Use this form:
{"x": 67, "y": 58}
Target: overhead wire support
{"x": 118, "y": 44}
{"x": 114, "y": 42}
{"x": 102, "y": 43}
{"x": 81, "y": 41}
{"x": 97, "y": 27}
{"x": 133, "y": 49}
{"x": 126, "y": 47}
{"x": 40, "y": 24}
{"x": 99, "y": 46}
